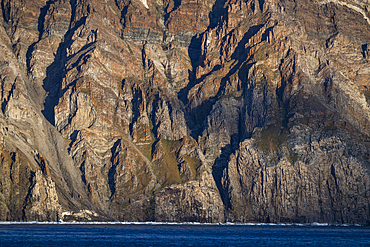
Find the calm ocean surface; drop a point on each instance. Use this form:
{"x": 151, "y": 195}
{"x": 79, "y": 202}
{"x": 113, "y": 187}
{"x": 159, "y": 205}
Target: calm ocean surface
{"x": 180, "y": 235}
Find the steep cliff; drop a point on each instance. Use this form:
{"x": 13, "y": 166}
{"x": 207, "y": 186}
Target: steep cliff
{"x": 206, "y": 111}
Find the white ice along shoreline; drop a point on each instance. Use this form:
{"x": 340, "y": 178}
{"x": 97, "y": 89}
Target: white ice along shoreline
{"x": 314, "y": 224}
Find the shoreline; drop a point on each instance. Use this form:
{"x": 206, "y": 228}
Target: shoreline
{"x": 314, "y": 224}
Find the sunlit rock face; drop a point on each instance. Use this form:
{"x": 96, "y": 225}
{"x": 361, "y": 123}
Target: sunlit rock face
{"x": 208, "y": 111}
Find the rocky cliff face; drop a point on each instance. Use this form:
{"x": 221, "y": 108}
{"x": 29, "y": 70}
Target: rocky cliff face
{"x": 169, "y": 110}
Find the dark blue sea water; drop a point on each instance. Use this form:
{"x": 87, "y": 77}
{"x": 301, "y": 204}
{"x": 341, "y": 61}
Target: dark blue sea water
{"x": 180, "y": 235}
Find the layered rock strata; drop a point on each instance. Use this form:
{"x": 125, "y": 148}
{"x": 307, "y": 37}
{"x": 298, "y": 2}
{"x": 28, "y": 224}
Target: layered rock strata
{"x": 206, "y": 111}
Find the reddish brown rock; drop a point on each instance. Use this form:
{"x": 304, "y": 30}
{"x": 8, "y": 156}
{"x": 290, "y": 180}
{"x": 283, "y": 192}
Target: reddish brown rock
{"x": 185, "y": 110}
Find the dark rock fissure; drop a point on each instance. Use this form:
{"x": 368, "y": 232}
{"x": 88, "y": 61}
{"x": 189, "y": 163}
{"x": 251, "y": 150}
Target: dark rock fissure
{"x": 56, "y": 71}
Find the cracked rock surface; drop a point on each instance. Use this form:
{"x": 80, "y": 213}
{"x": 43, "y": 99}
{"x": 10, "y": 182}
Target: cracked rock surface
{"x": 166, "y": 110}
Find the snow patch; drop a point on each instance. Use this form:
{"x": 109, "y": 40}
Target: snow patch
{"x": 355, "y": 8}
{"x": 145, "y": 3}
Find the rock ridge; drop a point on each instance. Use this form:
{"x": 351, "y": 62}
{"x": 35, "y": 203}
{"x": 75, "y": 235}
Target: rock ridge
{"x": 179, "y": 111}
